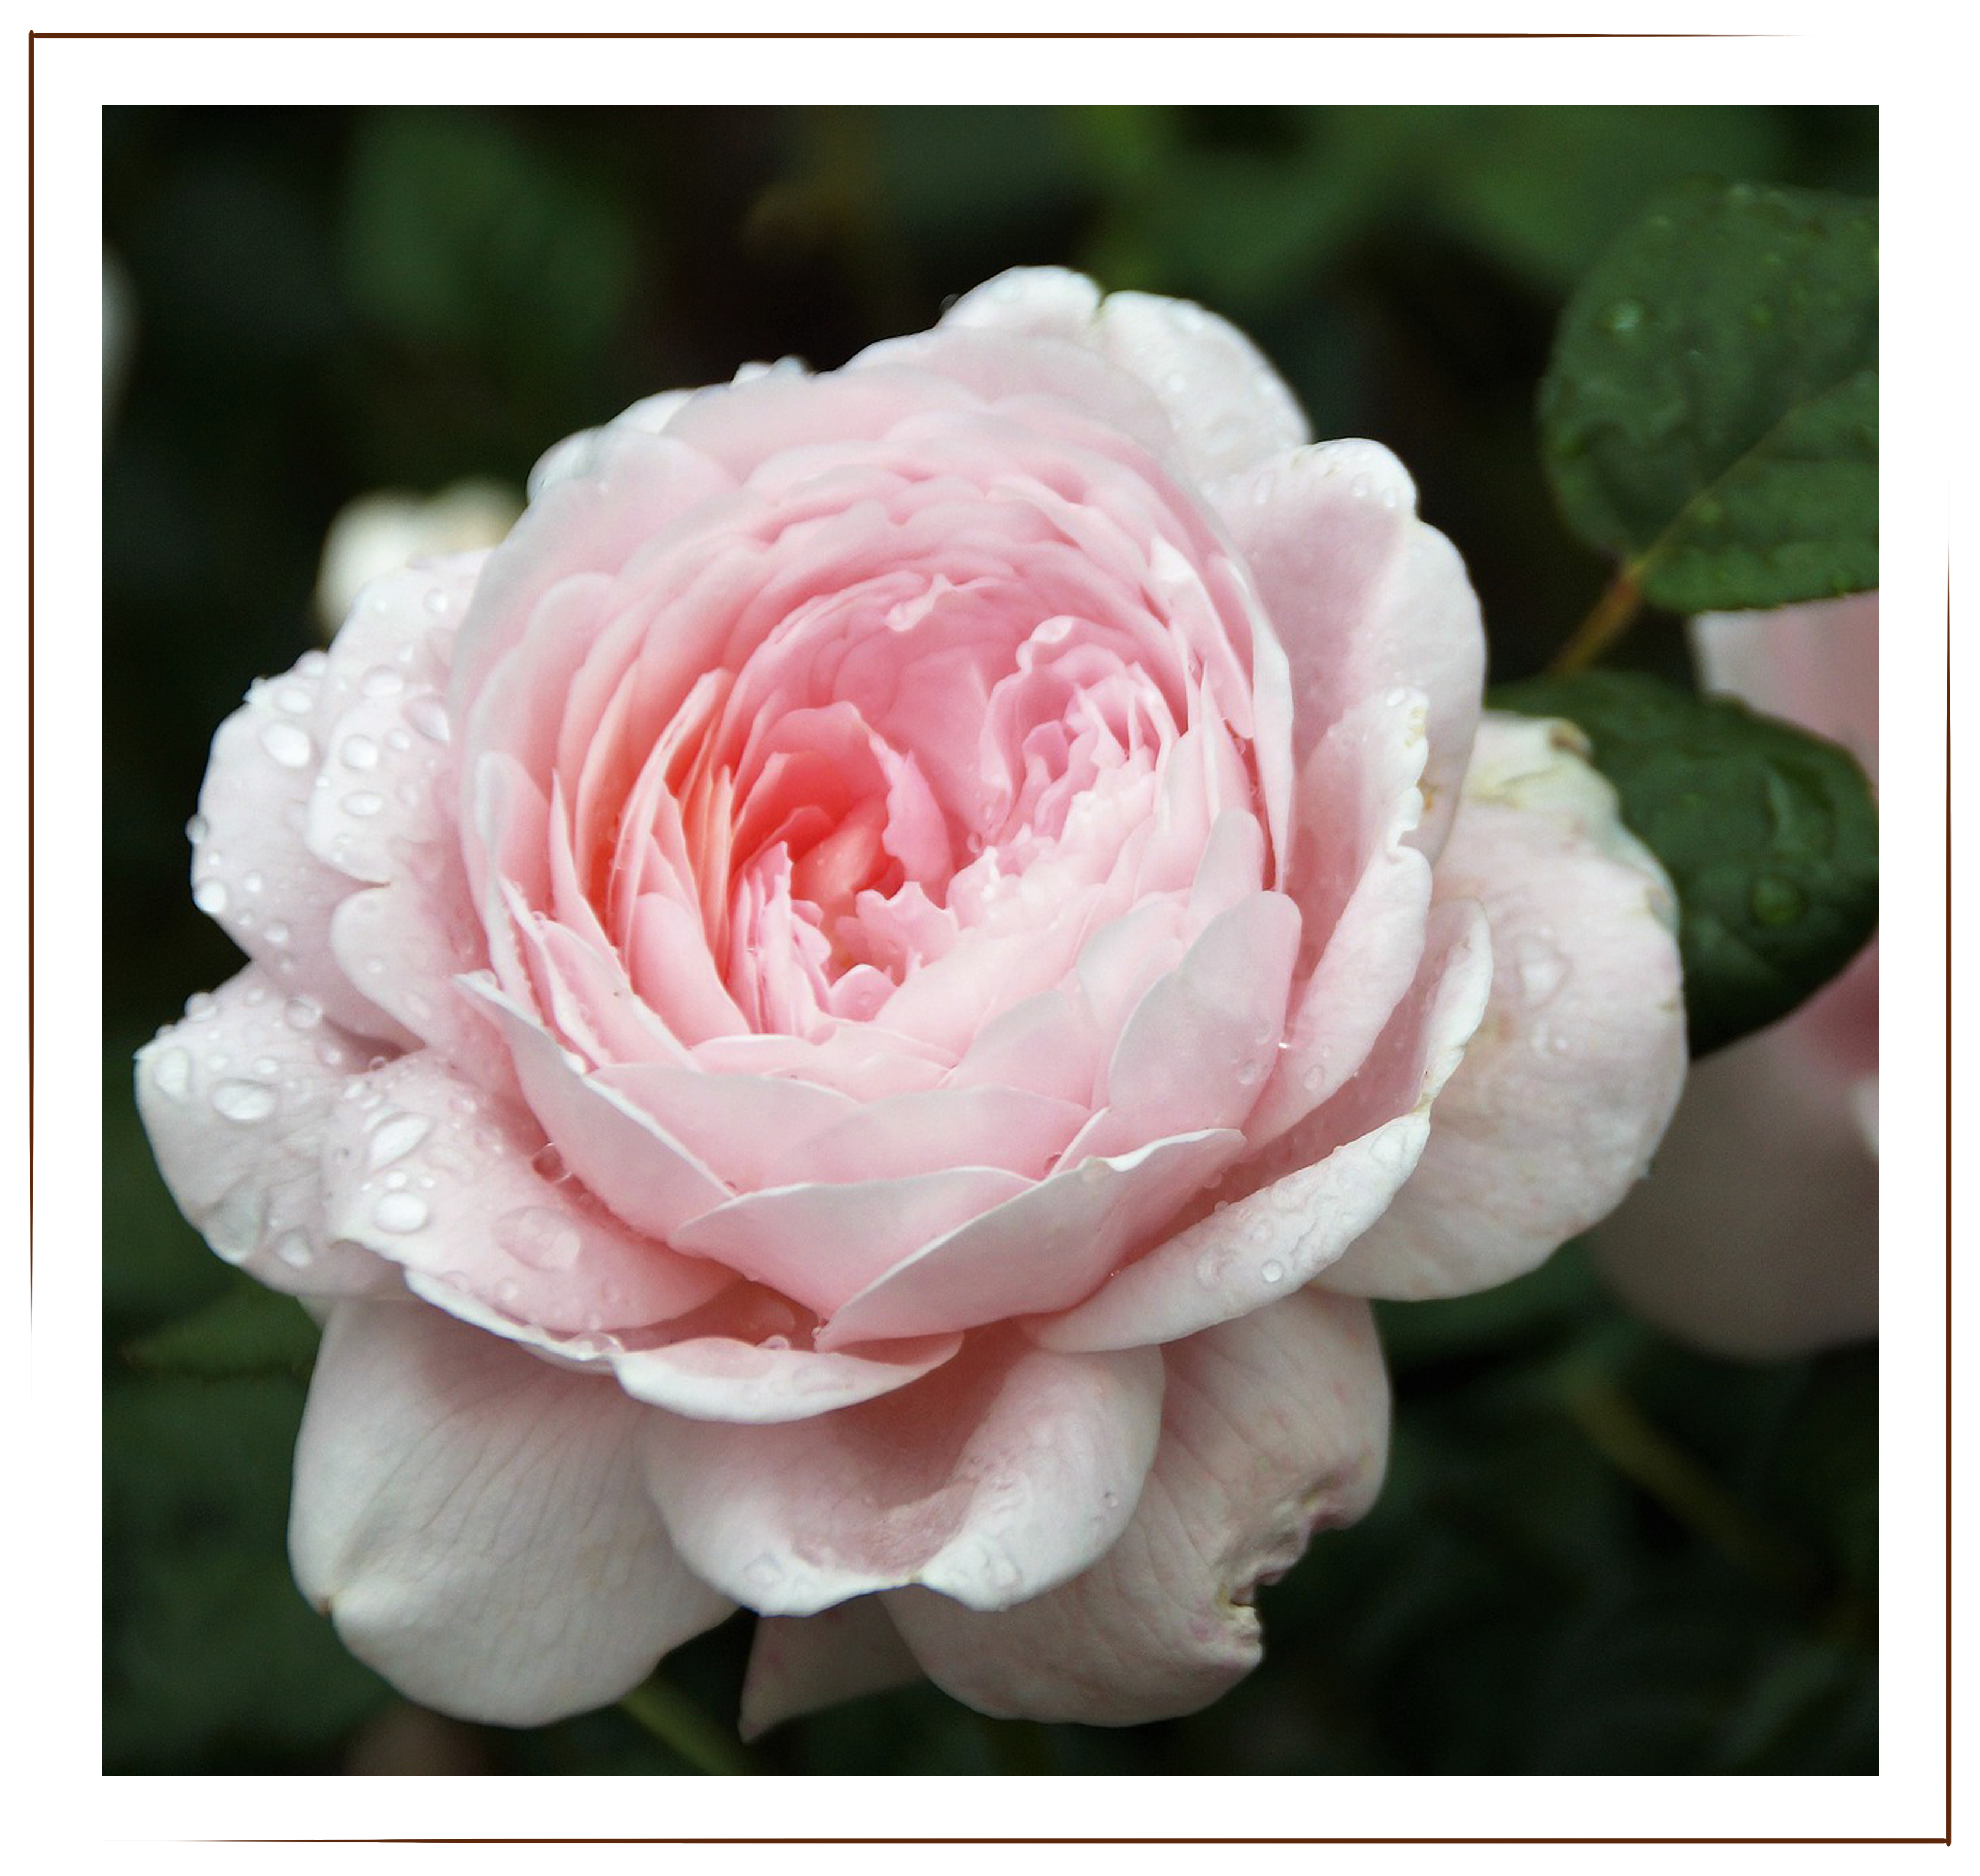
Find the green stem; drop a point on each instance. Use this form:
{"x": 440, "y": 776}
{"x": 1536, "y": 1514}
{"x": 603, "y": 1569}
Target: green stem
{"x": 1619, "y": 1432}
{"x": 686, "y": 1730}
{"x": 1606, "y": 622}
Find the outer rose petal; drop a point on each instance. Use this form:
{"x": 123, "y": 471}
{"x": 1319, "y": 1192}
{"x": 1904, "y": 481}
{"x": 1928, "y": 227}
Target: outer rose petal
{"x": 1229, "y": 407}
{"x": 1273, "y": 1427}
{"x": 238, "y": 1098}
{"x": 1570, "y": 1080}
{"x": 1366, "y": 599}
{"x": 1000, "y": 1474}
{"x": 472, "y": 1519}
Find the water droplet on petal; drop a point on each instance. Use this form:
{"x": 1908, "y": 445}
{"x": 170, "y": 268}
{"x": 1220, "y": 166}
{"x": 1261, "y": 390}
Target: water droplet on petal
{"x": 400, "y": 1211}
{"x": 244, "y": 1101}
{"x": 1272, "y": 1271}
{"x": 363, "y": 804}
{"x": 1539, "y": 966}
{"x": 542, "y": 1238}
{"x": 172, "y": 1073}
{"x": 210, "y": 895}
{"x": 288, "y": 744}
{"x": 358, "y": 752}
{"x": 396, "y": 1137}
{"x": 293, "y": 1249}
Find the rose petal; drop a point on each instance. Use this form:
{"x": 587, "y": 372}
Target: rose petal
{"x": 1363, "y": 891}
{"x": 996, "y": 1477}
{"x": 430, "y": 1172}
{"x": 1273, "y": 1426}
{"x": 473, "y": 1521}
{"x": 720, "y": 1378}
{"x": 1292, "y": 1210}
{"x": 237, "y": 1098}
{"x": 822, "y": 1244}
{"x": 1044, "y": 1249}
{"x": 1572, "y": 1078}
{"x": 1755, "y": 1234}
{"x": 1365, "y": 598}
{"x": 1228, "y": 406}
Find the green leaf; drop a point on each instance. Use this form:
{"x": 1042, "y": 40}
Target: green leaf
{"x": 248, "y": 1333}
{"x": 1710, "y": 413}
{"x": 458, "y": 233}
{"x": 1770, "y": 835}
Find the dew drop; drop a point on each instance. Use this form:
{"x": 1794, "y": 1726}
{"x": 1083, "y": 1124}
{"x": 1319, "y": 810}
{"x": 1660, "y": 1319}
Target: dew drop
{"x": 210, "y": 895}
{"x": 244, "y": 1101}
{"x": 400, "y": 1211}
{"x": 276, "y": 932}
{"x": 436, "y": 600}
{"x": 381, "y": 681}
{"x": 172, "y": 1073}
{"x": 293, "y": 1249}
{"x": 1624, "y": 316}
{"x": 358, "y": 752}
{"x": 288, "y": 744}
{"x": 363, "y": 804}
{"x": 196, "y": 829}
{"x": 1273, "y": 1271}
{"x": 542, "y": 1238}
{"x": 395, "y": 1137}
{"x": 765, "y": 1573}
{"x": 428, "y": 715}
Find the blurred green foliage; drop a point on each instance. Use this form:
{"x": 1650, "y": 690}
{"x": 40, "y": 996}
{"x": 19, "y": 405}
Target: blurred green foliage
{"x": 1595, "y": 1552}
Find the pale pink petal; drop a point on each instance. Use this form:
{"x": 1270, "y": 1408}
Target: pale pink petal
{"x": 822, "y": 1244}
{"x": 1566, "y": 1088}
{"x": 650, "y": 1180}
{"x": 1273, "y": 1426}
{"x": 237, "y": 1097}
{"x": 799, "y": 1664}
{"x": 1755, "y": 1233}
{"x": 427, "y": 1170}
{"x": 1044, "y": 1249}
{"x": 472, "y": 1519}
{"x": 1365, "y": 598}
{"x": 1290, "y": 1212}
{"x": 1196, "y": 1051}
{"x": 1815, "y": 665}
{"x": 1364, "y": 892}
{"x": 715, "y": 1377}
{"x": 252, "y": 873}
{"x": 1230, "y": 409}
{"x": 996, "y": 1477}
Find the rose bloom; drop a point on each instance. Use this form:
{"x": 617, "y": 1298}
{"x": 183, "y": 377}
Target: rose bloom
{"x": 1758, "y": 1235}
{"x": 846, "y": 1023}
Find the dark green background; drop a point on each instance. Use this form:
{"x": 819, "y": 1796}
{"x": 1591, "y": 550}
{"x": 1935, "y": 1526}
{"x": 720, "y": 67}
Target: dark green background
{"x": 1596, "y": 1552}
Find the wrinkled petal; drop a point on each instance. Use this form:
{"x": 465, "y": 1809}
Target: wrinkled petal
{"x": 998, "y": 1475}
{"x": 1273, "y": 1426}
{"x": 1569, "y": 1084}
{"x": 472, "y": 1520}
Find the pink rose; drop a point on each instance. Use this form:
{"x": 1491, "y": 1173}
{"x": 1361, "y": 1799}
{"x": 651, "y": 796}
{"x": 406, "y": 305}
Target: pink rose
{"x": 844, "y": 1024}
{"x": 1758, "y": 1235}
